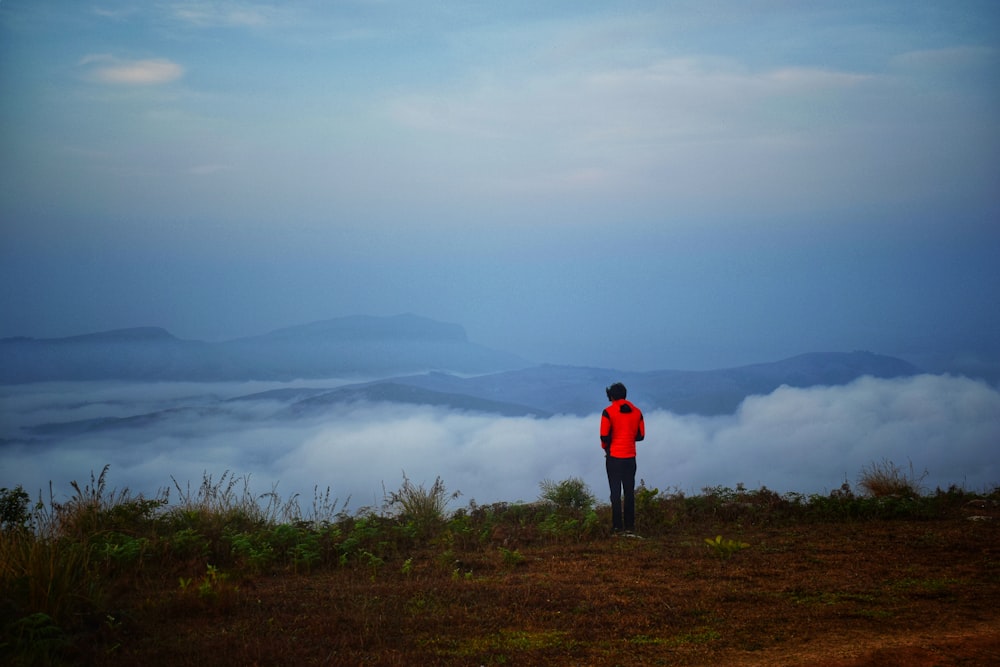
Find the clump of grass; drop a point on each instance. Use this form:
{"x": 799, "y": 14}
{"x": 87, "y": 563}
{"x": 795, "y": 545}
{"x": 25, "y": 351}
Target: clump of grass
{"x": 423, "y": 511}
{"x": 231, "y": 501}
{"x": 94, "y": 508}
{"x": 884, "y": 479}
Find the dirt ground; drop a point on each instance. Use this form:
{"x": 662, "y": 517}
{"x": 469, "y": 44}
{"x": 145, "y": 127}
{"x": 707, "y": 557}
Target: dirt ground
{"x": 852, "y": 594}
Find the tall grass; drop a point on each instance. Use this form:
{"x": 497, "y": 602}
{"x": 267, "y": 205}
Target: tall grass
{"x": 424, "y": 511}
{"x": 884, "y": 478}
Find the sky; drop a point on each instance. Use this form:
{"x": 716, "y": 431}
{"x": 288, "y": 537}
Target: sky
{"x": 639, "y": 185}
{"x": 936, "y": 430}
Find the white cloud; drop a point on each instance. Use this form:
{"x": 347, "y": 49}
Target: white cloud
{"x": 802, "y": 440}
{"x": 679, "y": 129}
{"x": 107, "y": 69}
{"x": 225, "y": 14}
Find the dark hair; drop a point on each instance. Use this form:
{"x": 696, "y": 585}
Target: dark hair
{"x": 616, "y": 391}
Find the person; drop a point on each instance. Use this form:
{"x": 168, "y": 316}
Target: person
{"x": 622, "y": 426}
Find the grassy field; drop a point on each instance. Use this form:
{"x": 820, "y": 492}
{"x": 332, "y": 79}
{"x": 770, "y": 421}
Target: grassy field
{"x": 879, "y": 575}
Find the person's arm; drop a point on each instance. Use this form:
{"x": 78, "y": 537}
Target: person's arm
{"x": 640, "y": 433}
{"x": 606, "y": 432}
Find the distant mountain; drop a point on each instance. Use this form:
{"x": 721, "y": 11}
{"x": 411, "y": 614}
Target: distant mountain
{"x": 396, "y": 392}
{"x": 539, "y": 391}
{"x": 297, "y": 403}
{"x": 405, "y": 327}
{"x": 148, "y": 353}
{"x": 350, "y": 346}
{"x": 580, "y": 391}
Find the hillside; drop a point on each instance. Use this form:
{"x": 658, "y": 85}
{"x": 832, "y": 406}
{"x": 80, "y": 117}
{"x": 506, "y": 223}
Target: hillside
{"x": 350, "y": 346}
{"x": 726, "y": 577}
{"x": 576, "y": 390}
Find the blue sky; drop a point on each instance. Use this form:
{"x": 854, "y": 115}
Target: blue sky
{"x": 636, "y": 185}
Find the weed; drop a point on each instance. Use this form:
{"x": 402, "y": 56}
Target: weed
{"x": 188, "y": 544}
{"x": 324, "y": 511}
{"x": 423, "y": 509}
{"x": 252, "y": 549}
{"x": 724, "y": 548}
{"x": 213, "y": 587}
{"x": 372, "y": 562}
{"x": 511, "y": 558}
{"x": 119, "y": 550}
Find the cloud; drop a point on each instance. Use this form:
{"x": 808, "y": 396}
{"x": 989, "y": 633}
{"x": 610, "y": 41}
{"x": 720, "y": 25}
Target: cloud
{"x": 681, "y": 129}
{"x": 810, "y": 439}
{"x": 107, "y": 69}
{"x": 801, "y": 440}
{"x": 946, "y": 60}
{"x": 224, "y": 14}
{"x": 119, "y": 14}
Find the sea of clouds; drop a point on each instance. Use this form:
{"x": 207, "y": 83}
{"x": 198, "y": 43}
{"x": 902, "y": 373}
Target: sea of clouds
{"x": 802, "y": 440}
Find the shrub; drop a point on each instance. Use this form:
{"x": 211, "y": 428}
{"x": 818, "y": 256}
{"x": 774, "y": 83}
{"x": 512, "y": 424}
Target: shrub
{"x": 14, "y": 513}
{"x": 885, "y": 479}
{"x": 93, "y": 508}
{"x": 570, "y": 493}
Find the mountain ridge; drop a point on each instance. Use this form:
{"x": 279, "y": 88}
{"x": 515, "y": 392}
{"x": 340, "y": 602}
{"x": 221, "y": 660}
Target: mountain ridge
{"x": 353, "y": 346}
{"x": 415, "y": 360}
{"x": 537, "y": 392}
{"x": 577, "y": 389}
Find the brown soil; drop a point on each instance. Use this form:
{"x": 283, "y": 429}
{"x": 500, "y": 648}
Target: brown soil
{"x": 906, "y": 593}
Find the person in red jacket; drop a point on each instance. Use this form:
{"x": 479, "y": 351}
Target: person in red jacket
{"x": 622, "y": 426}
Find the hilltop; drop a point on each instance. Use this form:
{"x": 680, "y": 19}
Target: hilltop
{"x": 727, "y": 577}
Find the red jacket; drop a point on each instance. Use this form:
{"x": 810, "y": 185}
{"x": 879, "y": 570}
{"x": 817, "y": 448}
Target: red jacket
{"x": 621, "y": 427}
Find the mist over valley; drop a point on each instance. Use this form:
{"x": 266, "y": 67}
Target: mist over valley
{"x": 353, "y": 404}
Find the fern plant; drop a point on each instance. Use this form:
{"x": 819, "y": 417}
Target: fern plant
{"x": 724, "y": 548}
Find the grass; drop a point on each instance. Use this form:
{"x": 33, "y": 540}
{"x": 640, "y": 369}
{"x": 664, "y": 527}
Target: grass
{"x": 78, "y": 580}
{"x": 882, "y": 479}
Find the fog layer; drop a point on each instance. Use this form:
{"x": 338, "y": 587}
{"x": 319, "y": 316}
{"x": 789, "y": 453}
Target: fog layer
{"x": 802, "y": 440}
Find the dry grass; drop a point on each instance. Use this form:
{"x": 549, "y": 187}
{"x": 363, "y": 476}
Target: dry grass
{"x": 884, "y": 479}
{"x": 805, "y": 595}
{"x": 229, "y": 577}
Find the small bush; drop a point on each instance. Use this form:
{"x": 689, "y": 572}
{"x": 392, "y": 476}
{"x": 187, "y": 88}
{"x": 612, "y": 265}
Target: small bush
{"x": 14, "y": 514}
{"x": 885, "y": 479}
{"x": 571, "y": 493}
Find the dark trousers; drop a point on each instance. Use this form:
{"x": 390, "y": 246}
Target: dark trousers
{"x": 621, "y": 479}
